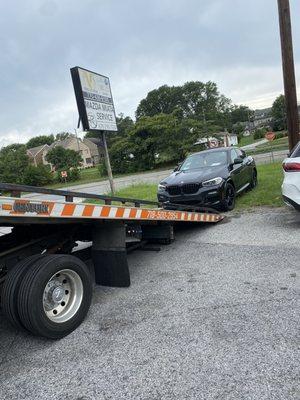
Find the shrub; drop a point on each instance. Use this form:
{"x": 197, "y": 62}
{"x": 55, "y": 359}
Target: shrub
{"x": 37, "y": 176}
{"x": 259, "y": 133}
{"x": 102, "y": 169}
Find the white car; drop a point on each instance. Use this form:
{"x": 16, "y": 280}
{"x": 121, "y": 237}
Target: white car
{"x": 291, "y": 182}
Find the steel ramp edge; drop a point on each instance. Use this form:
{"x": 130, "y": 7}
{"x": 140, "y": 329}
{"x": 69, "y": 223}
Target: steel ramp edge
{"x": 29, "y": 209}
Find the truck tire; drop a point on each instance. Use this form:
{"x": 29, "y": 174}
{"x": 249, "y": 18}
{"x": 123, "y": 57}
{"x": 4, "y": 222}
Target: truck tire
{"x": 55, "y": 296}
{"x": 10, "y": 290}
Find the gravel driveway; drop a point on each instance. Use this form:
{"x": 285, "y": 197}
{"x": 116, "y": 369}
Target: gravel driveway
{"x": 215, "y": 315}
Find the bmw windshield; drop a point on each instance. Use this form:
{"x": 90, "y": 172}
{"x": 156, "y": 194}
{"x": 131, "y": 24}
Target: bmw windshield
{"x": 209, "y": 159}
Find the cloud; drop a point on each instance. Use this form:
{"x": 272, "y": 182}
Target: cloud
{"x": 140, "y": 45}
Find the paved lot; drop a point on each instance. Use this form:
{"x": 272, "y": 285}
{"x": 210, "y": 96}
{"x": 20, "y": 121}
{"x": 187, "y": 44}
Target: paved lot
{"x": 215, "y": 315}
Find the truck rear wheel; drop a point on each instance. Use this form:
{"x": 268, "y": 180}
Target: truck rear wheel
{"x": 55, "y": 295}
{"x": 10, "y": 291}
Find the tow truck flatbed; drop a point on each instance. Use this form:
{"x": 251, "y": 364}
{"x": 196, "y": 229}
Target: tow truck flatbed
{"x": 45, "y": 284}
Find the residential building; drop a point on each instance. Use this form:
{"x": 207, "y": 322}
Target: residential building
{"x": 37, "y": 154}
{"x": 90, "y": 150}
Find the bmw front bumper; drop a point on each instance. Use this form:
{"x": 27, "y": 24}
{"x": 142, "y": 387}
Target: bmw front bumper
{"x": 209, "y": 196}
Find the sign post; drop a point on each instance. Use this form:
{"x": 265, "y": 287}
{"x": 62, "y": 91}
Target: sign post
{"x": 270, "y": 136}
{"x": 96, "y": 108}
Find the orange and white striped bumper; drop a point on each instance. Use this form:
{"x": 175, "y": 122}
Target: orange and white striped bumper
{"x": 12, "y": 207}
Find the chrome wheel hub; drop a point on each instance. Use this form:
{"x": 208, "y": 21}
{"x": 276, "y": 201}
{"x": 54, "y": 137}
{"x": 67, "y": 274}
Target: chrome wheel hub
{"x": 62, "y": 295}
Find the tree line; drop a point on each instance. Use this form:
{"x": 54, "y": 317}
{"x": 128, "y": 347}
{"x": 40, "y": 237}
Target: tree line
{"x": 168, "y": 121}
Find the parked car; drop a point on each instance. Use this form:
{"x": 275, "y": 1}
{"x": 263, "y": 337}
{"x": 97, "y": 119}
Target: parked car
{"x": 210, "y": 178}
{"x": 291, "y": 182}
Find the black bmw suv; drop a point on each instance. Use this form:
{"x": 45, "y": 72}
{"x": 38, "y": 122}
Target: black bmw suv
{"x": 210, "y": 178}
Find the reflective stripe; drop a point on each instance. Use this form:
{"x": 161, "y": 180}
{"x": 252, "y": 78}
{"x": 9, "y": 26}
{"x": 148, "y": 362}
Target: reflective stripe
{"x": 54, "y": 209}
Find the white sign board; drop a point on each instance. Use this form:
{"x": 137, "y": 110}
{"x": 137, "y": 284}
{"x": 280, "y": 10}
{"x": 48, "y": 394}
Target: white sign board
{"x": 94, "y": 100}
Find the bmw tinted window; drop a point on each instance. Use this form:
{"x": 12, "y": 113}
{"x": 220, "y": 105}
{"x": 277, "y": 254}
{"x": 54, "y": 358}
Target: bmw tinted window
{"x": 233, "y": 155}
{"x": 296, "y": 151}
{"x": 209, "y": 159}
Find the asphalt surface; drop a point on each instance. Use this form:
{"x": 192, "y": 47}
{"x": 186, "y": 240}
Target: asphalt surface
{"x": 215, "y": 315}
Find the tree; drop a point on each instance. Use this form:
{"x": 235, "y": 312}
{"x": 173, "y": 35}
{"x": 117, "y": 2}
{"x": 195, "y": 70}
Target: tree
{"x": 62, "y": 158}
{"x": 241, "y": 114}
{"x": 194, "y": 99}
{"x": 162, "y": 100}
{"x": 13, "y": 163}
{"x": 63, "y": 135}
{"x": 125, "y": 124}
{"x": 278, "y": 113}
{"x": 39, "y": 141}
{"x": 37, "y": 176}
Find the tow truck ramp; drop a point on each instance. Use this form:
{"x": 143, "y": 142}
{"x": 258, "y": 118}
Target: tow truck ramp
{"x": 49, "y": 258}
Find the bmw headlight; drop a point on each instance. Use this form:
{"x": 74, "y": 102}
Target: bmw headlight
{"x": 213, "y": 182}
{"x": 161, "y": 186}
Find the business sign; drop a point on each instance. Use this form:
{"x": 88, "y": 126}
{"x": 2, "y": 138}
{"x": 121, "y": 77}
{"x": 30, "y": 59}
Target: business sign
{"x": 94, "y": 100}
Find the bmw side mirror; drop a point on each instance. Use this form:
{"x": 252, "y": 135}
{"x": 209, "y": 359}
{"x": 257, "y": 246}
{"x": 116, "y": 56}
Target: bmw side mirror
{"x": 177, "y": 167}
{"x": 238, "y": 161}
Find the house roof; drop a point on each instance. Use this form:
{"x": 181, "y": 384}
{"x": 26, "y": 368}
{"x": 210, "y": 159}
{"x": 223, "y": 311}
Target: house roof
{"x": 35, "y": 150}
{"x": 63, "y": 143}
{"x": 96, "y": 141}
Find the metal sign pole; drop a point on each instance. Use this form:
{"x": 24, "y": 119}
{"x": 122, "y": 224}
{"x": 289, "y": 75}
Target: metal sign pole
{"x": 107, "y": 163}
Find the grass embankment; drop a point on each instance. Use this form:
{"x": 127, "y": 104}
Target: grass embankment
{"x": 245, "y": 140}
{"x": 267, "y": 193}
{"x": 275, "y": 145}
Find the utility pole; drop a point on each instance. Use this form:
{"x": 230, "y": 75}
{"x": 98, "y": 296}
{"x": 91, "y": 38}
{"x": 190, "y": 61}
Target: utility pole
{"x": 288, "y": 72}
{"x": 107, "y": 163}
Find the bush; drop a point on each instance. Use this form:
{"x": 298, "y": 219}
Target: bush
{"x": 280, "y": 135}
{"x": 259, "y": 133}
{"x": 102, "y": 169}
{"x": 37, "y": 176}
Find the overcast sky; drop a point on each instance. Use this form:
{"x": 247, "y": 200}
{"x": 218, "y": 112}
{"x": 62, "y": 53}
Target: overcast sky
{"x": 140, "y": 45}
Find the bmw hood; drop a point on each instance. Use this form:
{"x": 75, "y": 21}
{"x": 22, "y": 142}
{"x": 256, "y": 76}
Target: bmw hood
{"x": 195, "y": 175}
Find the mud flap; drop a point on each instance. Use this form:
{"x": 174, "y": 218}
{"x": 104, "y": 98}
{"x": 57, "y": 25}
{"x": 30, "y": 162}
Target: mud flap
{"x": 109, "y": 255}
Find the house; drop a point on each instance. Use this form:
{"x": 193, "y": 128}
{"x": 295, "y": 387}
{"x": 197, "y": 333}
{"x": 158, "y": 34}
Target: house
{"x": 262, "y": 118}
{"x": 96, "y": 148}
{"x": 90, "y": 150}
{"x": 37, "y": 154}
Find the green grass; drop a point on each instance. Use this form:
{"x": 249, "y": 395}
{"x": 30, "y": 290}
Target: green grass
{"x": 245, "y": 140}
{"x": 267, "y": 193}
{"x": 88, "y": 175}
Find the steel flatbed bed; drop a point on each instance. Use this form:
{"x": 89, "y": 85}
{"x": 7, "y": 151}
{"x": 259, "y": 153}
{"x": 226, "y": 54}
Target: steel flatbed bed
{"x": 45, "y": 284}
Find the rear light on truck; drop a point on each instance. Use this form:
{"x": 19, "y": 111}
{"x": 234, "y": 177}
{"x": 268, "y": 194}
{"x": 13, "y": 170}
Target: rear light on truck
{"x": 291, "y": 166}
